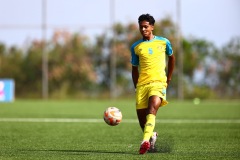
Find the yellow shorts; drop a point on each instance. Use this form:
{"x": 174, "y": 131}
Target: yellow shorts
{"x": 145, "y": 91}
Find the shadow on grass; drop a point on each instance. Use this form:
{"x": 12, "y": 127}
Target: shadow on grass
{"x": 84, "y": 152}
{"x": 164, "y": 144}
{"x": 92, "y": 151}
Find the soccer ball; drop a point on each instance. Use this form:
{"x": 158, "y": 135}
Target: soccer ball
{"x": 112, "y": 116}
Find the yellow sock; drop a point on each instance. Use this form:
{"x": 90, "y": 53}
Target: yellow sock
{"x": 149, "y": 127}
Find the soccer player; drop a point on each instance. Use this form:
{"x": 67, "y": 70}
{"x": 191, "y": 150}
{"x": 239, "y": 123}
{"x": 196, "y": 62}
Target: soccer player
{"x": 149, "y": 77}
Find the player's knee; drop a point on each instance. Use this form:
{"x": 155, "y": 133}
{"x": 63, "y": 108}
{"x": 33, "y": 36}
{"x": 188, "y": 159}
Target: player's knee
{"x": 152, "y": 110}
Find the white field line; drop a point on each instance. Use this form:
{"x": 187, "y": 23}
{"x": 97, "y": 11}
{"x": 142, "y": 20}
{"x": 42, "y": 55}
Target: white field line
{"x": 83, "y": 120}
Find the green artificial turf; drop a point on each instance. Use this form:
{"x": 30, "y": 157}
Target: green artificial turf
{"x": 75, "y": 130}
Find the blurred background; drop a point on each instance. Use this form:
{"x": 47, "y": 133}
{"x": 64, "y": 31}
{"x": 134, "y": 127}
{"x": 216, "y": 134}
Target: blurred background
{"x": 57, "y": 49}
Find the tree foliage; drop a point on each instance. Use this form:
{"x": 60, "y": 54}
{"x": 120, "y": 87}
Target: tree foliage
{"x": 78, "y": 68}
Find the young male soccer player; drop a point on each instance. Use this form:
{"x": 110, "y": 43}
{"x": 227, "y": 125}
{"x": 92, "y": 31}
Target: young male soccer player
{"x": 149, "y": 77}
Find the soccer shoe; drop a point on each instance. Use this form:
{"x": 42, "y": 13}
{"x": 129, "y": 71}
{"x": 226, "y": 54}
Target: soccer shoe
{"x": 153, "y": 140}
{"x": 145, "y": 145}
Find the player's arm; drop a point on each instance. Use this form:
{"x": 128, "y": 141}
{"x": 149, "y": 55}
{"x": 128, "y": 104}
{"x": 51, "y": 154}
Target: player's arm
{"x": 135, "y": 63}
{"x": 135, "y": 75}
{"x": 171, "y": 63}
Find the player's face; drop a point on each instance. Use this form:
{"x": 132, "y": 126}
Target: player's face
{"x": 146, "y": 29}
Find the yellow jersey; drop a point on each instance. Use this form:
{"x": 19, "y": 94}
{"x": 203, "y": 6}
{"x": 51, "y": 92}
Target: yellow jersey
{"x": 150, "y": 56}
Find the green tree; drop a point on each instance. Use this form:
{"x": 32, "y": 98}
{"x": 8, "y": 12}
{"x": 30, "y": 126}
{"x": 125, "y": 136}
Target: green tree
{"x": 229, "y": 71}
{"x": 77, "y": 68}
{"x": 71, "y": 68}
{"x": 11, "y": 61}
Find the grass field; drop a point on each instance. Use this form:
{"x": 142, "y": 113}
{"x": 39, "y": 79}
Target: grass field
{"x": 75, "y": 130}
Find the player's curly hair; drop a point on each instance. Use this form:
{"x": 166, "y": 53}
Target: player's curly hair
{"x": 146, "y": 17}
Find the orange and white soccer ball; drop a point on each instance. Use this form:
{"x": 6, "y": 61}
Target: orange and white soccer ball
{"x": 112, "y": 116}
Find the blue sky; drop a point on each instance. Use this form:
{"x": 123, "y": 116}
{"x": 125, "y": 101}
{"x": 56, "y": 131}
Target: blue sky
{"x": 20, "y": 21}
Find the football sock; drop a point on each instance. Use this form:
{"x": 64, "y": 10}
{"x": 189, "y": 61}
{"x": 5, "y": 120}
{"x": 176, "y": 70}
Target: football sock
{"x": 149, "y": 127}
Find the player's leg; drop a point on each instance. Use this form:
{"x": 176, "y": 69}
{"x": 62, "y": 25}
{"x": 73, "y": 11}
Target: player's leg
{"x": 147, "y": 116}
{"x": 142, "y": 110}
{"x": 153, "y": 106}
{"x": 157, "y": 98}
{"x": 142, "y": 104}
{"x": 142, "y": 114}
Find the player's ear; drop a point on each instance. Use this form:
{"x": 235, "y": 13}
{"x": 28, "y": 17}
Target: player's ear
{"x": 152, "y": 27}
